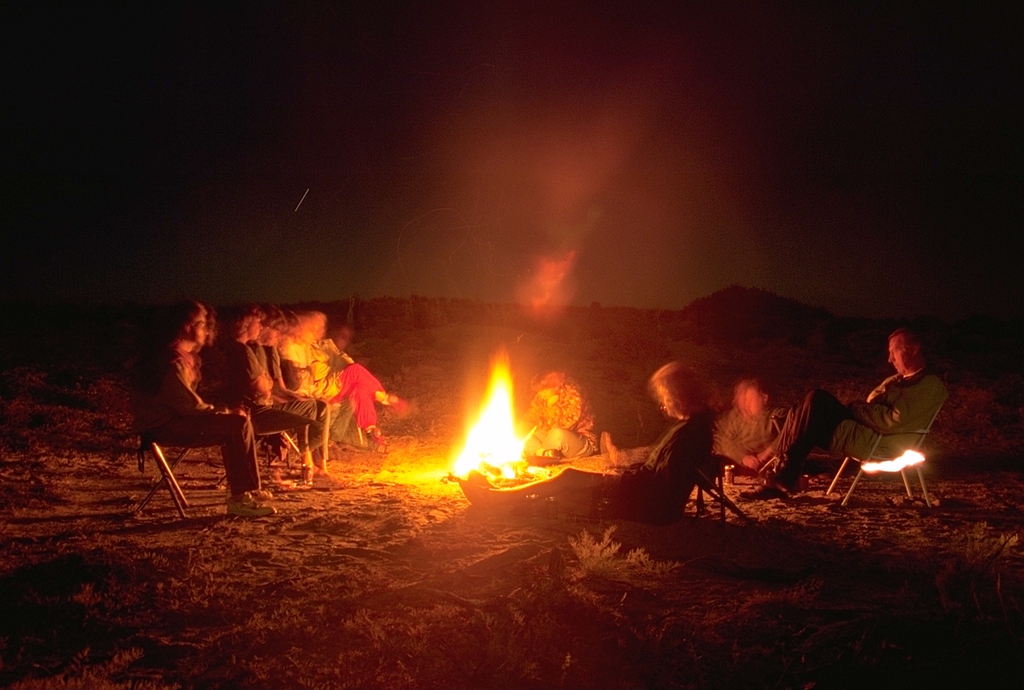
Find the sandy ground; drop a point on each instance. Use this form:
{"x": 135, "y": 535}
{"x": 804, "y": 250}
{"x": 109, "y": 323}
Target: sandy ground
{"x": 383, "y": 575}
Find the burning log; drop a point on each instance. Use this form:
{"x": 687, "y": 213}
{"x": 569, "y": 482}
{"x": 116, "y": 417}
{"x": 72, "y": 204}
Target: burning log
{"x": 492, "y": 446}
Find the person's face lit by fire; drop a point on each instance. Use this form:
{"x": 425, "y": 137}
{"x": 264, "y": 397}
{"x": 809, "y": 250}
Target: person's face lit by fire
{"x": 269, "y": 335}
{"x": 312, "y": 327}
{"x": 549, "y": 396}
{"x": 750, "y": 401}
{"x": 249, "y": 329}
{"x": 197, "y": 330}
{"x": 342, "y": 337}
{"x": 904, "y": 356}
{"x": 318, "y": 326}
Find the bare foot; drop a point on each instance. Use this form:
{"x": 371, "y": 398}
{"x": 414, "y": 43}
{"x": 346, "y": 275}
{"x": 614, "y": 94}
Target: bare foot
{"x": 609, "y": 449}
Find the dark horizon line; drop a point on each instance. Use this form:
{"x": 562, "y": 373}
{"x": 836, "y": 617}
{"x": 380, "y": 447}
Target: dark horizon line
{"x": 85, "y": 303}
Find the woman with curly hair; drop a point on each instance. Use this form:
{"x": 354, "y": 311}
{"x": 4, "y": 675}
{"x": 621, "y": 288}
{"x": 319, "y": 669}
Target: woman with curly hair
{"x": 563, "y": 426}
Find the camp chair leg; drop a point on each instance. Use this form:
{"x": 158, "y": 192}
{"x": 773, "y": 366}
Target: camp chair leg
{"x": 852, "y": 487}
{"x": 703, "y": 483}
{"x": 291, "y": 442}
{"x": 906, "y": 484}
{"x": 285, "y": 440}
{"x": 839, "y": 474}
{"x": 325, "y": 449}
{"x": 924, "y": 489}
{"x": 166, "y": 477}
{"x": 720, "y": 485}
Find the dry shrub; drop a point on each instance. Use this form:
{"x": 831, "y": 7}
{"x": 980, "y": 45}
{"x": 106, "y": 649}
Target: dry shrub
{"x": 970, "y": 582}
{"x": 599, "y": 558}
{"x": 115, "y": 674}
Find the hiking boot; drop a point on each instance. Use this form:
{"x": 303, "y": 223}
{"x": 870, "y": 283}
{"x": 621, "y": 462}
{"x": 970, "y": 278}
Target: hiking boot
{"x": 247, "y": 506}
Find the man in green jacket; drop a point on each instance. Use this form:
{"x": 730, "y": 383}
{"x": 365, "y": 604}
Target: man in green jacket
{"x": 902, "y": 404}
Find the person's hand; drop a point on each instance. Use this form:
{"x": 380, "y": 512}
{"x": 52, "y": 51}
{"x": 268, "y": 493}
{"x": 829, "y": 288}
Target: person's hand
{"x": 751, "y": 461}
{"x": 264, "y": 384}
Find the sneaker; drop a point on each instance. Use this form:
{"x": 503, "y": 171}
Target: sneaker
{"x": 375, "y": 440}
{"x": 261, "y": 495}
{"x": 247, "y": 506}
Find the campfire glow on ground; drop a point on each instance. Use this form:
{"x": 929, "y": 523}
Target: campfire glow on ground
{"x": 491, "y": 444}
{"x": 908, "y": 459}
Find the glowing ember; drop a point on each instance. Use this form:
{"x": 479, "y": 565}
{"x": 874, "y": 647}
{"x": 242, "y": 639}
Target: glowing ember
{"x": 908, "y": 459}
{"x": 492, "y": 445}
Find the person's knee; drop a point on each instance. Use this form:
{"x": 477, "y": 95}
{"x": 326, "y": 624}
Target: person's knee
{"x": 306, "y": 408}
{"x": 557, "y": 439}
{"x": 568, "y": 443}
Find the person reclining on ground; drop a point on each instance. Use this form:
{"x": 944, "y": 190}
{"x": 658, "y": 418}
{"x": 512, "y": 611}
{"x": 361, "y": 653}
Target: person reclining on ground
{"x": 745, "y": 434}
{"x": 167, "y": 408}
{"x": 899, "y": 406}
{"x": 654, "y": 491}
{"x": 563, "y": 426}
{"x": 249, "y": 386}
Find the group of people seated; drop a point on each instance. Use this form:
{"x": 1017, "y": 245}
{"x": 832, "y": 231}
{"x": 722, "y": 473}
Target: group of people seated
{"x": 749, "y": 435}
{"x": 280, "y": 374}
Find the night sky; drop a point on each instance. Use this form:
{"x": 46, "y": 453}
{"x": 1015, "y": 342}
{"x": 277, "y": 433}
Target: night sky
{"x": 870, "y": 161}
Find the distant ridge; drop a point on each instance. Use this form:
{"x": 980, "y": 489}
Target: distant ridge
{"x": 739, "y": 313}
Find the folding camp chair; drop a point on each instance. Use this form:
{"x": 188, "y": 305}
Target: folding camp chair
{"x": 714, "y": 486}
{"x": 277, "y": 440}
{"x": 148, "y": 444}
{"x": 772, "y": 466}
{"x": 874, "y": 457}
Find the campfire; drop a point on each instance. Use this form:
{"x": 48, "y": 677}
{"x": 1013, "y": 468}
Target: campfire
{"x": 492, "y": 446}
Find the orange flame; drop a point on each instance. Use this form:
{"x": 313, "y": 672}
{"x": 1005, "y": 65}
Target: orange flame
{"x": 492, "y": 441}
{"x": 908, "y": 459}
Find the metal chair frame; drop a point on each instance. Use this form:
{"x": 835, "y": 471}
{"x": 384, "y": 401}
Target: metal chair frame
{"x": 715, "y": 488}
{"x": 288, "y": 441}
{"x": 922, "y": 434}
{"x": 772, "y": 466}
{"x": 167, "y": 478}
